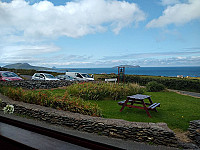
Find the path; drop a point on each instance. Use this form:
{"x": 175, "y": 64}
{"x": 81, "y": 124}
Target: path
{"x": 193, "y": 94}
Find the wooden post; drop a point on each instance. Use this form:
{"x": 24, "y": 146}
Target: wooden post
{"x": 121, "y": 74}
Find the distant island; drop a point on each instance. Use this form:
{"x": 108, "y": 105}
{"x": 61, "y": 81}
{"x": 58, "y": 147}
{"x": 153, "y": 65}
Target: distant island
{"x": 25, "y": 66}
{"x": 128, "y": 66}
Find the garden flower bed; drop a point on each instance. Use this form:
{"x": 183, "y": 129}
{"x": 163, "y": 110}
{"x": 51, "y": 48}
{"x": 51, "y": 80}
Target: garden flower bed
{"x": 73, "y": 98}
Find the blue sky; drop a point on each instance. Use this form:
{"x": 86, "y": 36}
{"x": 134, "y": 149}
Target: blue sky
{"x": 100, "y": 33}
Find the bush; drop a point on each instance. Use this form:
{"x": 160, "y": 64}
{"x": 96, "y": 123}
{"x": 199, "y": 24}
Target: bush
{"x": 154, "y": 87}
{"x": 46, "y": 98}
{"x": 97, "y": 91}
{"x": 192, "y": 85}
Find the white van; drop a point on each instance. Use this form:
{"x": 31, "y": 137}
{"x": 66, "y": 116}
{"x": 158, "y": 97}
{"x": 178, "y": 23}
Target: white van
{"x": 80, "y": 76}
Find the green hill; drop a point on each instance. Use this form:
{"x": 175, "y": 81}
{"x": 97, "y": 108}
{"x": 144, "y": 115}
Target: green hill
{"x": 25, "y": 66}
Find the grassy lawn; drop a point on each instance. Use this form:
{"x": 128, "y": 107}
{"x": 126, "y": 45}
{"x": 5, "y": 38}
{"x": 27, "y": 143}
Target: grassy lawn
{"x": 176, "y": 110}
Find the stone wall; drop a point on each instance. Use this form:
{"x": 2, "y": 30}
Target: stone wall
{"x": 38, "y": 84}
{"x": 194, "y": 131}
{"x": 156, "y": 133}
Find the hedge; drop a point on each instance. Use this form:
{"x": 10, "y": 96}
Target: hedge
{"x": 170, "y": 82}
{"x": 46, "y": 98}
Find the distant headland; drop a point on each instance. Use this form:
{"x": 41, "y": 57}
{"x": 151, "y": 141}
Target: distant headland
{"x": 25, "y": 66}
{"x": 127, "y": 66}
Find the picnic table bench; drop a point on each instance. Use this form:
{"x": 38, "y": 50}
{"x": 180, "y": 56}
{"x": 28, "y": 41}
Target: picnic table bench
{"x": 139, "y": 99}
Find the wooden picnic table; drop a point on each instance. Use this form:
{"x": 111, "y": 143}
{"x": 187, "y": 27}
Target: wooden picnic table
{"x": 139, "y": 99}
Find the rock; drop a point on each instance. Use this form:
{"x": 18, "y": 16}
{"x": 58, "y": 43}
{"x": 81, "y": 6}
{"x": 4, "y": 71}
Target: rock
{"x": 188, "y": 146}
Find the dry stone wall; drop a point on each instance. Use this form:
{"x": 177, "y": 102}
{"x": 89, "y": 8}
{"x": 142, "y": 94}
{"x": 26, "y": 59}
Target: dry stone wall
{"x": 38, "y": 84}
{"x": 194, "y": 131}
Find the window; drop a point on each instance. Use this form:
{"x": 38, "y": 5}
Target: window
{"x": 42, "y": 76}
{"x": 78, "y": 75}
{"x": 37, "y": 75}
{"x": 86, "y": 75}
{"x": 49, "y": 76}
{"x": 9, "y": 74}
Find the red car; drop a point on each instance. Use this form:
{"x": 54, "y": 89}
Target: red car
{"x": 9, "y": 76}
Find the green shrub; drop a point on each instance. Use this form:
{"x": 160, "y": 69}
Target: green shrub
{"x": 97, "y": 91}
{"x": 46, "y": 98}
{"x": 169, "y": 82}
{"x": 75, "y": 104}
{"x": 154, "y": 86}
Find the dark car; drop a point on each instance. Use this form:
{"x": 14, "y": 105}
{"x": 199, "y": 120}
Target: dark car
{"x": 65, "y": 77}
{"x": 9, "y": 76}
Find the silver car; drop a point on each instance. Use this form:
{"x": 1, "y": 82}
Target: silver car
{"x": 43, "y": 76}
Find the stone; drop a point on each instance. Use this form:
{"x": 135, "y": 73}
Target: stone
{"x": 188, "y": 146}
{"x": 198, "y": 130}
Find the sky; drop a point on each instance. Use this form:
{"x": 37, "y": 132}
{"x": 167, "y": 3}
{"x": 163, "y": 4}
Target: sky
{"x": 100, "y": 33}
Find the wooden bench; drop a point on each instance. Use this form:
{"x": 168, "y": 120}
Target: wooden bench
{"x": 111, "y": 80}
{"x": 154, "y": 105}
{"x": 121, "y": 102}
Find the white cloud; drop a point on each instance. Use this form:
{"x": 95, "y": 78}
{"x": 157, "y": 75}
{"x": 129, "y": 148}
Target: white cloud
{"x": 169, "y": 2}
{"x": 165, "y": 61}
{"x": 171, "y": 61}
{"x": 28, "y": 49}
{"x": 187, "y": 52}
{"x": 178, "y": 14}
{"x": 24, "y": 53}
{"x": 75, "y": 19}
{"x": 71, "y": 63}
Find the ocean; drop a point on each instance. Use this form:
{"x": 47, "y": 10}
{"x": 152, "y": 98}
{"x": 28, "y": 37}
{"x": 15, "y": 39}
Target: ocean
{"x": 153, "y": 71}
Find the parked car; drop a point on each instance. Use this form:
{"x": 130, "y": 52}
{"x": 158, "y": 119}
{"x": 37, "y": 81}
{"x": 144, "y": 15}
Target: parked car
{"x": 9, "y": 76}
{"x": 80, "y": 76}
{"x": 65, "y": 77}
{"x": 43, "y": 76}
